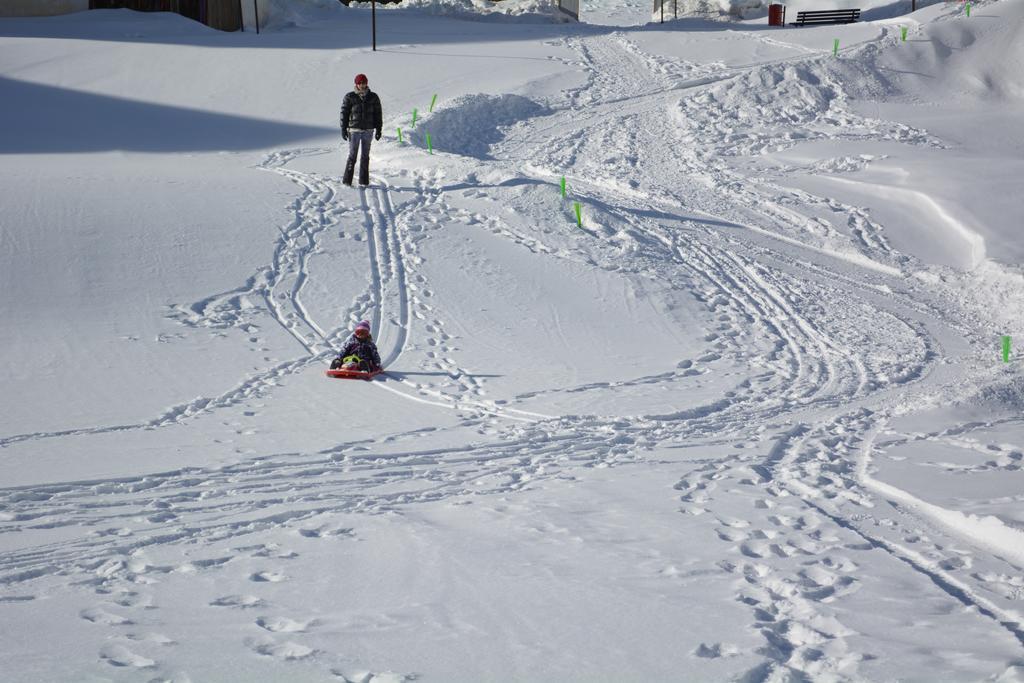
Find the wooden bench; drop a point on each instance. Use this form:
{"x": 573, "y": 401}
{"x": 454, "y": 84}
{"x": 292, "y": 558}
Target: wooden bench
{"x": 829, "y": 16}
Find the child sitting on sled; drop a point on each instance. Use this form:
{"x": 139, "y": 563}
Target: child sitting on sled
{"x": 359, "y": 351}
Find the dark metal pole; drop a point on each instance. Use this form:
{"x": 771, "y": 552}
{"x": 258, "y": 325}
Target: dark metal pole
{"x": 241, "y": 16}
{"x": 675, "y": 9}
{"x": 662, "y": 11}
{"x": 373, "y": 14}
{"x": 256, "y": 11}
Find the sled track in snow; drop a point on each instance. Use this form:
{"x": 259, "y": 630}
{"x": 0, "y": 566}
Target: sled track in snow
{"x": 388, "y": 272}
{"x": 291, "y": 258}
{"x": 212, "y": 510}
{"x": 725, "y": 235}
{"x": 280, "y": 281}
{"x": 797, "y": 559}
{"x": 814, "y": 369}
{"x": 390, "y": 292}
{"x": 398, "y": 260}
{"x": 279, "y": 286}
{"x": 821, "y": 392}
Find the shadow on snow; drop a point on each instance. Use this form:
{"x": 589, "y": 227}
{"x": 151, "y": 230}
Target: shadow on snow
{"x": 49, "y": 119}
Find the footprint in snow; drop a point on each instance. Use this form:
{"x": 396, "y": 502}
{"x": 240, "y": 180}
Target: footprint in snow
{"x": 956, "y": 562}
{"x": 284, "y": 625}
{"x": 716, "y": 650}
{"x": 816, "y": 576}
{"x": 756, "y": 549}
{"x": 239, "y": 601}
{"x": 844, "y": 585}
{"x": 286, "y": 650}
{"x": 119, "y": 655}
{"x": 787, "y": 550}
{"x": 98, "y": 615}
{"x": 839, "y": 563}
{"x": 369, "y": 677}
{"x": 323, "y": 532}
{"x": 158, "y": 638}
{"x": 1010, "y": 587}
{"x": 731, "y": 535}
{"x": 272, "y": 550}
{"x": 755, "y": 571}
{"x": 764, "y": 534}
{"x": 268, "y": 577}
{"x": 133, "y": 599}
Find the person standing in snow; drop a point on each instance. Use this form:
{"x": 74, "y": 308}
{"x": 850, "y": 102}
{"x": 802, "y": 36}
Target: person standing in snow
{"x": 361, "y": 117}
{"x": 359, "y": 351}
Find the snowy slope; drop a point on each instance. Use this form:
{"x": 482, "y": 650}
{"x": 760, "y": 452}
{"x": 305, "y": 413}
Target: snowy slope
{"x": 747, "y": 420}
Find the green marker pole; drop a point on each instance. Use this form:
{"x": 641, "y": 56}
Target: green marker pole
{"x": 903, "y": 33}
{"x": 429, "y": 145}
{"x": 835, "y": 48}
{"x": 432, "y": 102}
{"x": 579, "y": 219}
{"x": 413, "y": 118}
{"x": 563, "y": 187}
{"x": 399, "y": 135}
{"x": 968, "y": 9}
{"x": 1006, "y": 349}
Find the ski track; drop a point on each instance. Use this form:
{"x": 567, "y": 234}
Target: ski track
{"x": 825, "y": 387}
{"x": 279, "y": 286}
{"x": 206, "y": 505}
{"x": 813, "y": 463}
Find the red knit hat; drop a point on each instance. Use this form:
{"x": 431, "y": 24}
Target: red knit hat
{"x": 361, "y": 78}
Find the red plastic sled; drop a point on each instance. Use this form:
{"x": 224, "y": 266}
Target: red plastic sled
{"x": 353, "y": 374}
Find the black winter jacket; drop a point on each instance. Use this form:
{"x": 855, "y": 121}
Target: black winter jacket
{"x": 361, "y": 112}
{"x": 365, "y": 349}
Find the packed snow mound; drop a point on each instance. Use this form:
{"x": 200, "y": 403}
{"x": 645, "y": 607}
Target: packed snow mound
{"x": 279, "y": 14}
{"x": 713, "y": 9}
{"x": 1003, "y": 394}
{"x": 471, "y": 124}
{"x": 975, "y": 58}
{"x": 517, "y": 11}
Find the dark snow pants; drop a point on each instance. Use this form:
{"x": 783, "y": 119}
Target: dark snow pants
{"x": 358, "y": 143}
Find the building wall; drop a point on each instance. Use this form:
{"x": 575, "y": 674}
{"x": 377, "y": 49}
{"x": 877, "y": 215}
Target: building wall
{"x": 40, "y": 8}
{"x": 225, "y": 15}
{"x": 249, "y": 13}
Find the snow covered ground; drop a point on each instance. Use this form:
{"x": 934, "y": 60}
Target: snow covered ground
{"x": 748, "y": 420}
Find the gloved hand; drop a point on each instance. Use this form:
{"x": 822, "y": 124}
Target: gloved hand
{"x": 344, "y": 133}
{"x": 377, "y": 135}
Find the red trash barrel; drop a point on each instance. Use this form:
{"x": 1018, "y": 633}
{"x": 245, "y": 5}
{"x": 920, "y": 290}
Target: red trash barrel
{"x": 776, "y": 15}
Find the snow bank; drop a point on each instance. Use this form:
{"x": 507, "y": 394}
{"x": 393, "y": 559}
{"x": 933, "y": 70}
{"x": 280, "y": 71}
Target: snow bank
{"x": 988, "y": 532}
{"x": 517, "y": 11}
{"x": 967, "y": 59}
{"x": 469, "y": 125}
{"x": 712, "y": 9}
{"x": 871, "y": 10}
{"x": 280, "y": 14}
{"x": 1005, "y": 394}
